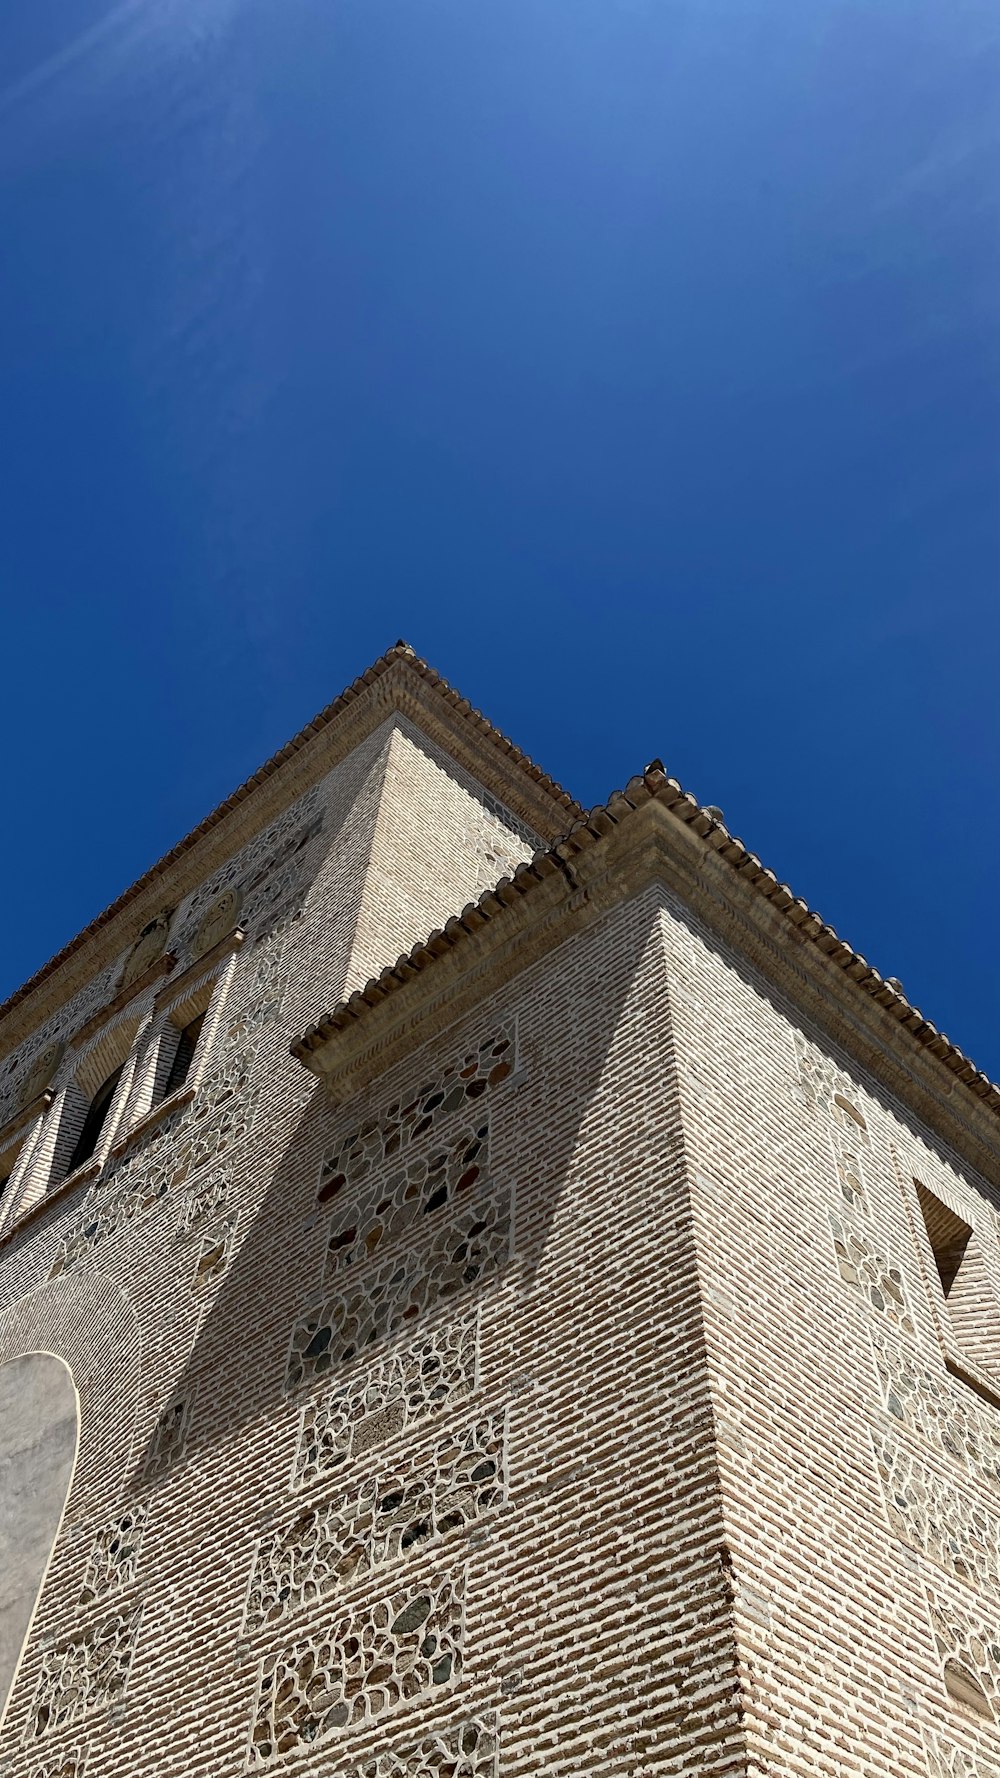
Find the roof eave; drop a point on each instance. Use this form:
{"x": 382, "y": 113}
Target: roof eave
{"x": 654, "y": 830}
{"x": 398, "y": 681}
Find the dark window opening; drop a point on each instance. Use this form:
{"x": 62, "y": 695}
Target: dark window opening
{"x": 969, "y": 1301}
{"x": 94, "y": 1121}
{"x": 949, "y": 1237}
{"x": 187, "y": 1043}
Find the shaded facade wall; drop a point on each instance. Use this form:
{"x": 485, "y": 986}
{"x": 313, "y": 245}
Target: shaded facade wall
{"x": 396, "y": 1450}
{"x": 861, "y": 1477}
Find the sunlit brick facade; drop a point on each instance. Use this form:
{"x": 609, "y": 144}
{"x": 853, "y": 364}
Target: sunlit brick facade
{"x": 532, "y": 1296}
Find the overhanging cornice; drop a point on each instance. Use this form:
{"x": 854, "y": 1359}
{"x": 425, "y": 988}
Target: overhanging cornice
{"x": 655, "y": 831}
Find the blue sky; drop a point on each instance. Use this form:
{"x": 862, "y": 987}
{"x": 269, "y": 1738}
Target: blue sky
{"x": 636, "y": 360}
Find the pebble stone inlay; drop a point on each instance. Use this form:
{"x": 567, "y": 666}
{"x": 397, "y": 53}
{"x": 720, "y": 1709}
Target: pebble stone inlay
{"x": 395, "y": 1513}
{"x": 945, "y": 1760}
{"x": 69, "y": 1764}
{"x": 426, "y": 1185}
{"x": 86, "y": 1673}
{"x": 168, "y": 1441}
{"x": 876, "y": 1277}
{"x": 960, "y": 1634}
{"x": 376, "y": 1403}
{"x": 114, "y": 1556}
{"x": 463, "y": 1750}
{"x": 470, "y": 1248}
{"x": 923, "y": 1397}
{"x": 379, "y": 1141}
{"x": 372, "y": 1660}
{"x": 932, "y": 1516}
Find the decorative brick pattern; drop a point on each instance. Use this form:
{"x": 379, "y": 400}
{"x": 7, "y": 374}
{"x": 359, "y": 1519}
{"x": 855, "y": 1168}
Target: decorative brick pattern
{"x": 231, "y": 1077}
{"x": 114, "y": 1556}
{"x": 967, "y": 1632}
{"x": 932, "y": 1516}
{"x": 69, "y": 1764}
{"x": 818, "y": 1076}
{"x": 394, "y": 1513}
{"x": 381, "y": 1141}
{"x": 169, "y": 1439}
{"x": 286, "y": 837}
{"x": 878, "y": 1279}
{"x": 945, "y": 1760}
{"x": 385, "y": 1208}
{"x": 111, "y": 1208}
{"x": 923, "y": 1397}
{"x": 59, "y": 1028}
{"x": 210, "y": 1135}
{"x": 204, "y": 1201}
{"x": 396, "y": 1392}
{"x": 84, "y": 1674}
{"x": 214, "y": 1254}
{"x": 850, "y": 1175}
{"x": 371, "y": 1661}
{"x": 471, "y": 1247}
{"x": 245, "y": 1027}
{"x": 463, "y": 1750}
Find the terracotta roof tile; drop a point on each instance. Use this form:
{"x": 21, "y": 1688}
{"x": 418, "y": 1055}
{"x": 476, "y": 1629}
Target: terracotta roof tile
{"x": 590, "y": 830}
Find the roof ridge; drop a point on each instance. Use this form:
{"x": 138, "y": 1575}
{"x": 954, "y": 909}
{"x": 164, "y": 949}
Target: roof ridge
{"x": 400, "y": 653}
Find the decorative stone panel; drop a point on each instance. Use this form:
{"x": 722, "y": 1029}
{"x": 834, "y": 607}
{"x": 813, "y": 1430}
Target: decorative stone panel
{"x": 945, "y": 1760}
{"x": 169, "y": 1439}
{"x": 932, "y": 1516}
{"x": 878, "y": 1278}
{"x": 381, "y": 1400}
{"x": 964, "y": 1633}
{"x": 246, "y": 1025}
{"x": 850, "y": 1176}
{"x": 948, "y": 1415}
{"x": 462, "y": 1750}
{"x": 109, "y": 1209}
{"x": 375, "y": 1658}
{"x": 210, "y": 1135}
{"x": 87, "y": 1673}
{"x": 426, "y": 1185}
{"x": 379, "y": 1142}
{"x": 69, "y": 1764}
{"x": 471, "y": 1247}
{"x": 15, "y": 1087}
{"x": 284, "y": 839}
{"x": 214, "y": 1254}
{"x": 204, "y": 1201}
{"x": 394, "y": 1513}
{"x": 818, "y": 1077}
{"x": 114, "y": 1556}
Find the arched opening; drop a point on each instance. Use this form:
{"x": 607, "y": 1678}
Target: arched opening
{"x": 94, "y": 1120}
{"x": 39, "y": 1434}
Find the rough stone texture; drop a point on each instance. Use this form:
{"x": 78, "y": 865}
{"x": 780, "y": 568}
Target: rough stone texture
{"x": 578, "y": 1396}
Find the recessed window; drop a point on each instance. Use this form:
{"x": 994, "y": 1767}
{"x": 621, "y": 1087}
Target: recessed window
{"x": 183, "y": 1056}
{"x": 94, "y": 1120}
{"x": 970, "y": 1304}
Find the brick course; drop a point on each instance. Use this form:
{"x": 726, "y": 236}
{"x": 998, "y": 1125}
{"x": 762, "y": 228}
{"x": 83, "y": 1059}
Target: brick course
{"x": 572, "y": 1391}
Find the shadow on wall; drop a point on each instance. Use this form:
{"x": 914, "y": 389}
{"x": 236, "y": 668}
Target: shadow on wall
{"x": 366, "y": 1276}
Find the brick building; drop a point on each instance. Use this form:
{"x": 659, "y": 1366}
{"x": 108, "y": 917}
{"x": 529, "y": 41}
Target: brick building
{"x": 489, "y": 1289}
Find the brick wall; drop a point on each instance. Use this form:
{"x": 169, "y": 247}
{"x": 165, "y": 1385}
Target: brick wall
{"x": 572, "y": 1400}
